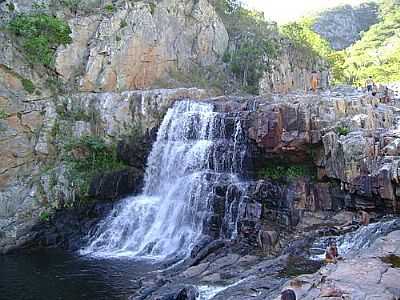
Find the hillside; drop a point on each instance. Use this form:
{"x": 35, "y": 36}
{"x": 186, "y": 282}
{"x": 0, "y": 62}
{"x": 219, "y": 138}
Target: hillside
{"x": 377, "y": 54}
{"x": 337, "y": 35}
{"x": 342, "y": 26}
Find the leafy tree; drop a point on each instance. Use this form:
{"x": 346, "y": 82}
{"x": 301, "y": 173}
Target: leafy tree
{"x": 337, "y": 62}
{"x": 301, "y": 34}
{"x": 252, "y": 42}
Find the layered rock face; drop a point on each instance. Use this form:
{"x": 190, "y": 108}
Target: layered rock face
{"x": 292, "y": 72}
{"x": 342, "y": 26}
{"x": 141, "y": 43}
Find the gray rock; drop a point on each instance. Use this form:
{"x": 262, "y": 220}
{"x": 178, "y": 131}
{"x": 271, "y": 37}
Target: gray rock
{"x": 342, "y": 26}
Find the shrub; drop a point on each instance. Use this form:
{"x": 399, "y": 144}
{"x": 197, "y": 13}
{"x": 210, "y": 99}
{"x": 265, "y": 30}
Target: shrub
{"x": 10, "y": 6}
{"x": 3, "y": 114}
{"x": 109, "y": 8}
{"x": 40, "y": 34}
{"x": 44, "y": 216}
{"x": 253, "y": 43}
{"x": 87, "y": 157}
{"x": 302, "y": 35}
{"x": 283, "y": 172}
{"x": 152, "y": 8}
{"x": 123, "y": 24}
{"x": 28, "y": 85}
{"x": 342, "y": 131}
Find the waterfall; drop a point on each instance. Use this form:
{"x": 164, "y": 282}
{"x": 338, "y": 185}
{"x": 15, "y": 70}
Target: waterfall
{"x": 197, "y": 150}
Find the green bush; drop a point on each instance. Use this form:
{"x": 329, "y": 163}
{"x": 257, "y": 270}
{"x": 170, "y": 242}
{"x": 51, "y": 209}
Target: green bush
{"x": 377, "y": 54}
{"x": 301, "y": 34}
{"x": 123, "y": 24}
{"x": 283, "y": 172}
{"x": 342, "y": 131}
{"x": 28, "y": 85}
{"x": 44, "y": 216}
{"x": 96, "y": 157}
{"x": 40, "y": 34}
{"x": 3, "y": 114}
{"x": 109, "y": 8}
{"x": 254, "y": 43}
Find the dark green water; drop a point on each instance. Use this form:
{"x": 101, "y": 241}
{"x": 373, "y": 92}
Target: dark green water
{"x": 57, "y": 275}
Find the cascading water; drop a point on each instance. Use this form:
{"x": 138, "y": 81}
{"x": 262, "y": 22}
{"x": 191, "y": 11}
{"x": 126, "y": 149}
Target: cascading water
{"x": 196, "y": 149}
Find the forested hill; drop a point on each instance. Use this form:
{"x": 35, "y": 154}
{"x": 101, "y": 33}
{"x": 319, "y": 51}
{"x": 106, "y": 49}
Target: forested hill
{"x": 358, "y": 41}
{"x": 378, "y": 52}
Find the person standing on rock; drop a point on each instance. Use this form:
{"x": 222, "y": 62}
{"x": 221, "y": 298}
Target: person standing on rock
{"x": 369, "y": 84}
{"x": 314, "y": 81}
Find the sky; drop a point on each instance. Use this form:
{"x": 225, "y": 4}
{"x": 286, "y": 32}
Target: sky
{"x": 283, "y": 11}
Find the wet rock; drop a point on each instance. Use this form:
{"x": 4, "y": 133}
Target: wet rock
{"x": 206, "y": 251}
{"x": 188, "y": 293}
{"x": 116, "y": 184}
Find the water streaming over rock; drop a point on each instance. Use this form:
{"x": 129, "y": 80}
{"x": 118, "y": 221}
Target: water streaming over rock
{"x": 197, "y": 152}
{"x": 351, "y": 243}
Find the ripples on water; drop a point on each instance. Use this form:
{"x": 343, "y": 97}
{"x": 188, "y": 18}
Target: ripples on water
{"x": 57, "y": 275}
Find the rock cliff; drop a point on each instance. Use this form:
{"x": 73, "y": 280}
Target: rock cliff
{"x": 342, "y": 26}
{"x": 291, "y": 71}
{"x": 140, "y": 43}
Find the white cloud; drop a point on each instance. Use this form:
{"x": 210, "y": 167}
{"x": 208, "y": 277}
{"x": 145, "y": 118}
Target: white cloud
{"x": 288, "y": 10}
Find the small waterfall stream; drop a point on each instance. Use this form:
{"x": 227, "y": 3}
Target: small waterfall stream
{"x": 196, "y": 150}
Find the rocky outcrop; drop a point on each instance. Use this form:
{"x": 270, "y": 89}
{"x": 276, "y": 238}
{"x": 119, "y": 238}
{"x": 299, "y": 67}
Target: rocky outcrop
{"x": 362, "y": 160}
{"x": 342, "y": 26}
{"x": 140, "y": 43}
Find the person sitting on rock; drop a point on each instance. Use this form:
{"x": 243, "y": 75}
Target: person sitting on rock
{"x": 314, "y": 81}
{"x": 288, "y": 295}
{"x": 332, "y": 253}
{"x": 369, "y": 84}
{"x": 364, "y": 218}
